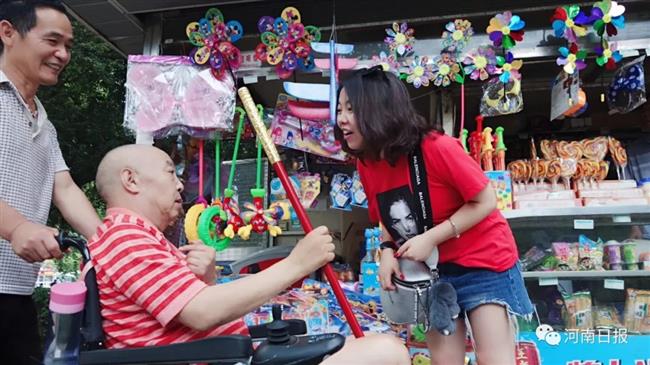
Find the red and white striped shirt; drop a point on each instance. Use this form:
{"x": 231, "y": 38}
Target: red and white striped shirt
{"x": 144, "y": 283}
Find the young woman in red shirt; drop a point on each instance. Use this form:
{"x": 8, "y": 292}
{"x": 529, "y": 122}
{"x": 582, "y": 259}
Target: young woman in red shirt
{"x": 377, "y": 123}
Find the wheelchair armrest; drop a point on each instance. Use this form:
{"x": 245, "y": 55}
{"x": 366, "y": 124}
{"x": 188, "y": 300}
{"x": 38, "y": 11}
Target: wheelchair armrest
{"x": 222, "y": 349}
{"x": 296, "y": 327}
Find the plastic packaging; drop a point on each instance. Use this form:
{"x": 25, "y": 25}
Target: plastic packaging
{"x": 166, "y": 95}
{"x": 627, "y": 90}
{"x": 501, "y": 99}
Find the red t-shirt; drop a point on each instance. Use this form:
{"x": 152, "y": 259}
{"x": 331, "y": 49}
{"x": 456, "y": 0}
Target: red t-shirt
{"x": 144, "y": 283}
{"x": 453, "y": 178}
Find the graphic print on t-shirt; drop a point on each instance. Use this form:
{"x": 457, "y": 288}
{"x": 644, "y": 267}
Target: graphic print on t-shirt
{"x": 398, "y": 213}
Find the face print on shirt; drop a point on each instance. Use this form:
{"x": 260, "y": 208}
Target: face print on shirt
{"x": 398, "y": 214}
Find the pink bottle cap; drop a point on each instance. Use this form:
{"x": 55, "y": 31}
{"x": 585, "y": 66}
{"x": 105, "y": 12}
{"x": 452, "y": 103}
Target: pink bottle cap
{"x": 67, "y": 298}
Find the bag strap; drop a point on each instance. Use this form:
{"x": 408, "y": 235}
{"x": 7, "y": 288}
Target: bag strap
{"x": 420, "y": 185}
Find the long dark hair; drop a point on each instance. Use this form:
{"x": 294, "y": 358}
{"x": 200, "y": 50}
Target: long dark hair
{"x": 387, "y": 120}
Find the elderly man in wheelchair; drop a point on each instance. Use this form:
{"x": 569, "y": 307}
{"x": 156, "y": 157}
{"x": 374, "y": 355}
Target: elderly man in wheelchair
{"x": 159, "y": 304}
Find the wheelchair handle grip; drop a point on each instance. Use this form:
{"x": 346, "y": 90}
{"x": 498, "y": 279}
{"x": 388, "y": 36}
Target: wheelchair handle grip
{"x": 66, "y": 242}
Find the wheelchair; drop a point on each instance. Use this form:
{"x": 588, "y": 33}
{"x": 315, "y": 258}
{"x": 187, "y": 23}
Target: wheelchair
{"x": 282, "y": 341}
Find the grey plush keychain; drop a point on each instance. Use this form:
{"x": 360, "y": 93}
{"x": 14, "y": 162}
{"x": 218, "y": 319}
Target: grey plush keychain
{"x": 443, "y": 309}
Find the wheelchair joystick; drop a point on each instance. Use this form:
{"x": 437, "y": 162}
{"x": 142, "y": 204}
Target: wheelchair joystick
{"x": 282, "y": 348}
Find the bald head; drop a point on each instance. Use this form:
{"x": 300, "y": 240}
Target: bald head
{"x": 143, "y": 179}
{"x": 133, "y": 157}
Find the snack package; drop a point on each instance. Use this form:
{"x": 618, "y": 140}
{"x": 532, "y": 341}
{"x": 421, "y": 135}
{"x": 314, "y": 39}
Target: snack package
{"x": 166, "y": 95}
{"x": 359, "y": 198}
{"x": 501, "y": 99}
{"x": 627, "y": 90}
{"x": 567, "y": 255}
{"x": 340, "y": 192}
{"x": 613, "y": 260}
{"x": 637, "y": 310}
{"x": 606, "y": 317}
{"x": 590, "y": 254}
{"x": 577, "y": 311}
{"x": 533, "y": 258}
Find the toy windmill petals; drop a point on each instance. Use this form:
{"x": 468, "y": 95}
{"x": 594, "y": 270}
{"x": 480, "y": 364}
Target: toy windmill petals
{"x": 287, "y": 41}
{"x": 505, "y": 30}
{"x": 400, "y": 39}
{"x": 213, "y": 38}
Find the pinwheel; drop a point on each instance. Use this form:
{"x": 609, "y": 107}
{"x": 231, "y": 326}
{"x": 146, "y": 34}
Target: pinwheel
{"x": 572, "y": 58}
{"x": 505, "y": 30}
{"x": 569, "y": 23}
{"x": 457, "y": 35}
{"x": 480, "y": 63}
{"x": 608, "y": 55}
{"x": 400, "y": 39}
{"x": 508, "y": 68}
{"x": 213, "y": 40}
{"x": 607, "y": 15}
{"x": 445, "y": 69}
{"x": 420, "y": 72}
{"x": 387, "y": 62}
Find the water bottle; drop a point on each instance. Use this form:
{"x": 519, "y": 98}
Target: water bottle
{"x": 66, "y": 305}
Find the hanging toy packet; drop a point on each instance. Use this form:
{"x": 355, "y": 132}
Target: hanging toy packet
{"x": 340, "y": 192}
{"x": 501, "y": 98}
{"x": 627, "y": 90}
{"x": 359, "y": 198}
{"x": 166, "y": 95}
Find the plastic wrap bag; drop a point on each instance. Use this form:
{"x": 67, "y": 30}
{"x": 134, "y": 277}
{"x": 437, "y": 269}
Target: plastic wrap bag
{"x": 627, "y": 90}
{"x": 501, "y": 99}
{"x": 166, "y": 95}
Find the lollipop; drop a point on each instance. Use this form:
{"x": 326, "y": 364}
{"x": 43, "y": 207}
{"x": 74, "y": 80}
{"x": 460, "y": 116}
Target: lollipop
{"x": 554, "y": 171}
{"x": 595, "y": 149}
{"x": 519, "y": 171}
{"x": 568, "y": 168}
{"x": 548, "y": 149}
{"x": 603, "y": 170}
{"x": 539, "y": 168}
{"x": 619, "y": 155}
{"x": 569, "y": 150}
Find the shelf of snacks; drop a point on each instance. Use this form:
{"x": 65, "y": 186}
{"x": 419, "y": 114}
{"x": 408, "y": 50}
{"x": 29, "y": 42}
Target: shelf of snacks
{"x": 573, "y": 174}
{"x": 586, "y": 274}
{"x": 612, "y": 212}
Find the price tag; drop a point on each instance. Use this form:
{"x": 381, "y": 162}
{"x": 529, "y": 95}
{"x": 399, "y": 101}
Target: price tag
{"x": 622, "y": 219}
{"x": 615, "y": 284}
{"x": 548, "y": 281}
{"x": 583, "y": 224}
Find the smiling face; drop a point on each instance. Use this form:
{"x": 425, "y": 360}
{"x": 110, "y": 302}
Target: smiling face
{"x": 347, "y": 122}
{"x": 42, "y": 53}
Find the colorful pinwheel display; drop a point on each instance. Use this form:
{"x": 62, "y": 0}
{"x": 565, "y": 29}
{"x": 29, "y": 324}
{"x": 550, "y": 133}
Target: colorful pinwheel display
{"x": 572, "y": 58}
{"x": 480, "y": 63}
{"x": 508, "y": 68}
{"x": 213, "y": 40}
{"x": 608, "y": 55}
{"x": 420, "y": 72}
{"x": 400, "y": 39}
{"x": 505, "y": 30}
{"x": 445, "y": 69}
{"x": 286, "y": 42}
{"x": 457, "y": 35}
{"x": 607, "y": 16}
{"x": 387, "y": 62}
{"x": 569, "y": 23}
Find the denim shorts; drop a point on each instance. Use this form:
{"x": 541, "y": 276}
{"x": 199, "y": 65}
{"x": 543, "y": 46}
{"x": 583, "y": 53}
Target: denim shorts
{"x": 476, "y": 287}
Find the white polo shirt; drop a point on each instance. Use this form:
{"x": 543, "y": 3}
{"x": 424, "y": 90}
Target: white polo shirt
{"x": 29, "y": 158}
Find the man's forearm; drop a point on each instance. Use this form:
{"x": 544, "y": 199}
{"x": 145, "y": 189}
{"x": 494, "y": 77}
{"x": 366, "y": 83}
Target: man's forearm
{"x": 77, "y": 211}
{"x": 223, "y": 303}
{"x": 10, "y": 219}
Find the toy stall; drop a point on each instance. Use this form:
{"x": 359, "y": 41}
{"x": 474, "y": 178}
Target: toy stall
{"x": 550, "y": 101}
